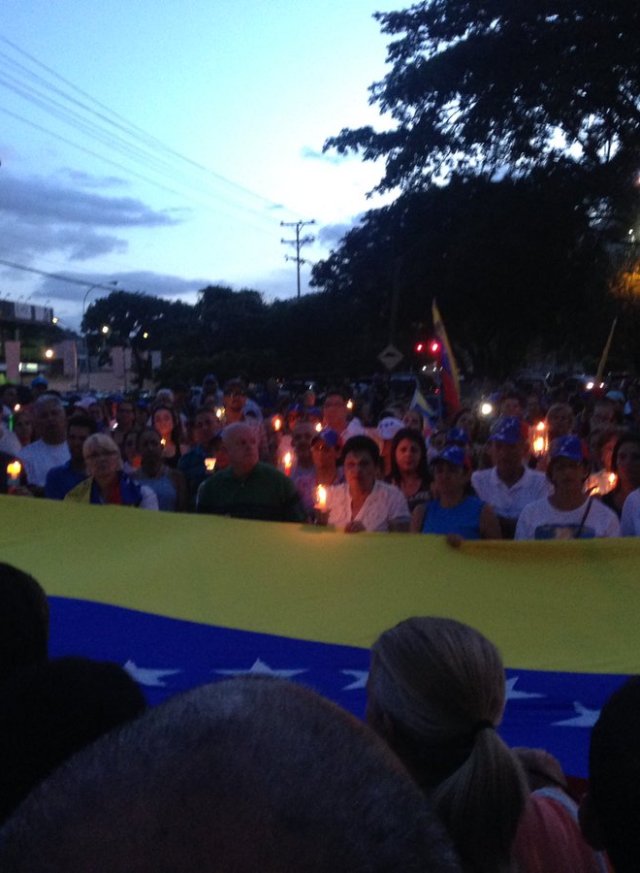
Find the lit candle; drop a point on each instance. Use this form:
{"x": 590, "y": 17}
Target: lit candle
{"x": 318, "y": 427}
{"x": 321, "y": 497}
{"x": 540, "y": 443}
{"x": 210, "y": 464}
{"x": 163, "y": 442}
{"x": 277, "y": 423}
{"x": 288, "y": 463}
{"x": 613, "y": 481}
{"x": 17, "y": 407}
{"x": 14, "y": 469}
{"x": 219, "y": 412}
{"x": 349, "y": 405}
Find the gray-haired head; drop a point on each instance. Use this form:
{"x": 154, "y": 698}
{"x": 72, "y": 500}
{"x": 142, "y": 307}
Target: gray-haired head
{"x": 247, "y": 774}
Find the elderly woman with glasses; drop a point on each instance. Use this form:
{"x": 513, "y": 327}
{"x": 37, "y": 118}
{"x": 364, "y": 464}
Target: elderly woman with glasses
{"x": 107, "y": 483}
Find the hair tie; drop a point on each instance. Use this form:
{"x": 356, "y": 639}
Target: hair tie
{"x": 482, "y": 725}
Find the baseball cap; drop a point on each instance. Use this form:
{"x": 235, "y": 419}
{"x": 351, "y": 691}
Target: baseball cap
{"x": 508, "y": 429}
{"x": 452, "y": 455}
{"x": 388, "y": 427}
{"x": 567, "y": 447}
{"x": 328, "y": 436}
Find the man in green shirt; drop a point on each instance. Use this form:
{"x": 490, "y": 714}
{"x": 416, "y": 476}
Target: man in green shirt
{"x": 249, "y": 488}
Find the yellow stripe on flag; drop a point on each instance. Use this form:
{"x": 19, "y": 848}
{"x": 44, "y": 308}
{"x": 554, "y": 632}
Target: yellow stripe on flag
{"x": 569, "y": 606}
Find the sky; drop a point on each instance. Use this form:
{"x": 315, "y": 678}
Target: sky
{"x": 161, "y": 145}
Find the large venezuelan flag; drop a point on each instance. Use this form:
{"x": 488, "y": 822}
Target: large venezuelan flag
{"x": 182, "y": 600}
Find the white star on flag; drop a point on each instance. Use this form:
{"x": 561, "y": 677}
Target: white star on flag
{"x": 585, "y": 717}
{"x": 147, "y": 676}
{"x": 259, "y": 668}
{"x": 514, "y": 694}
{"x": 359, "y": 679}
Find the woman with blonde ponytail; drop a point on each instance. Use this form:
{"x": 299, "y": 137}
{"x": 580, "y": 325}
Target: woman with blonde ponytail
{"x": 436, "y": 693}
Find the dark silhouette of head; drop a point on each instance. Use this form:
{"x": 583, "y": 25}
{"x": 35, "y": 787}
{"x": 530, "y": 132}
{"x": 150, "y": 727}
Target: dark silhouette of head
{"x": 243, "y": 775}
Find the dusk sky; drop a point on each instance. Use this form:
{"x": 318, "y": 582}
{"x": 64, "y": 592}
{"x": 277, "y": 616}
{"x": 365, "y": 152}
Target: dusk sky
{"x": 161, "y": 145}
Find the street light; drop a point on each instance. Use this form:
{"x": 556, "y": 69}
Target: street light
{"x": 114, "y": 282}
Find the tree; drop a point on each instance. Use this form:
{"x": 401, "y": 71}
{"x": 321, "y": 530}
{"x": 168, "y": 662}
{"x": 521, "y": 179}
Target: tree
{"x": 140, "y": 322}
{"x": 502, "y": 86}
{"x": 514, "y": 265}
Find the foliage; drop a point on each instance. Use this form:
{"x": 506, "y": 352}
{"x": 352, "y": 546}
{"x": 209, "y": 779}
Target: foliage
{"x": 514, "y": 265}
{"x": 480, "y": 88}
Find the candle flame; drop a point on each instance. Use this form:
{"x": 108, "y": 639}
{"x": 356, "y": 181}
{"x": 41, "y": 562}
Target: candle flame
{"x": 210, "y": 464}
{"x": 14, "y": 469}
{"x": 288, "y": 460}
{"x": 321, "y": 497}
{"x": 163, "y": 442}
{"x": 277, "y": 423}
{"x": 318, "y": 427}
{"x": 349, "y": 405}
{"x": 540, "y": 426}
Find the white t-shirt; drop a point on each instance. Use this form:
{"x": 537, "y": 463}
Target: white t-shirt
{"x": 40, "y": 457}
{"x": 386, "y": 503}
{"x": 542, "y": 521}
{"x": 630, "y": 521}
{"x": 509, "y": 501}
{"x": 9, "y": 442}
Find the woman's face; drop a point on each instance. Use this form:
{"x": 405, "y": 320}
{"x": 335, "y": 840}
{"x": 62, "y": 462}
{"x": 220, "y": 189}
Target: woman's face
{"x": 629, "y": 464}
{"x": 407, "y": 456}
{"x": 449, "y": 480}
{"x": 163, "y": 422}
{"x": 102, "y": 463}
{"x": 23, "y": 428}
{"x": 130, "y": 446}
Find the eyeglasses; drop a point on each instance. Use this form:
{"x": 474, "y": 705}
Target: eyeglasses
{"x": 105, "y": 453}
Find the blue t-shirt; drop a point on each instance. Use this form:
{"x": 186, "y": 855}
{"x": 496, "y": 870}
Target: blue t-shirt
{"x": 463, "y": 519}
{"x": 60, "y": 480}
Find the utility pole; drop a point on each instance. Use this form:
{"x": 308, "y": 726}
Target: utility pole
{"x": 298, "y": 242}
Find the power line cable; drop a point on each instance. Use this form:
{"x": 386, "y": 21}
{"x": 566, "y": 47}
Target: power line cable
{"x": 137, "y": 131}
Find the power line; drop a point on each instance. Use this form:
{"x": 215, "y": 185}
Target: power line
{"x": 56, "y": 276}
{"x": 125, "y": 126}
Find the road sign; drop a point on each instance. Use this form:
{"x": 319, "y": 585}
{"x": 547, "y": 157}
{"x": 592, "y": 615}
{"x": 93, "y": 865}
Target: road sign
{"x": 390, "y": 357}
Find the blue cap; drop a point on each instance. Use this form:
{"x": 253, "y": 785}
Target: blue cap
{"x": 567, "y": 447}
{"x": 508, "y": 429}
{"x": 457, "y": 435}
{"x": 39, "y": 380}
{"x": 328, "y": 436}
{"x": 452, "y": 455}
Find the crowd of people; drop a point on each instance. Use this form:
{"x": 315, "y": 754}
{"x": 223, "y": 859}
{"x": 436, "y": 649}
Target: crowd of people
{"x": 550, "y": 464}
{"x": 256, "y": 773}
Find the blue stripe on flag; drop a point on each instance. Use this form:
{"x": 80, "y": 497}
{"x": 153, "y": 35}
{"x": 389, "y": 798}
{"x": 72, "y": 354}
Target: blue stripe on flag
{"x": 551, "y": 710}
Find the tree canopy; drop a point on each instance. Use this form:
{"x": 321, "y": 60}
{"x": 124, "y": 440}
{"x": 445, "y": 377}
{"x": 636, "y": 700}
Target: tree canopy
{"x": 503, "y": 86}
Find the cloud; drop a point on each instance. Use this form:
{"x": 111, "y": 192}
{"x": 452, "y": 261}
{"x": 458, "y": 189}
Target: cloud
{"x": 331, "y": 234}
{"x": 327, "y": 157}
{"x": 78, "y": 177}
{"x": 39, "y": 216}
{"x": 40, "y": 201}
{"x": 157, "y": 284}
